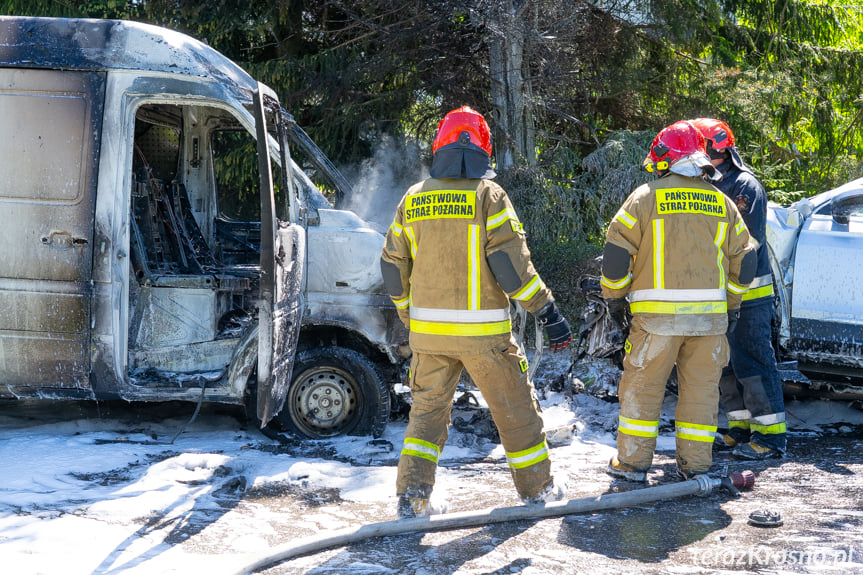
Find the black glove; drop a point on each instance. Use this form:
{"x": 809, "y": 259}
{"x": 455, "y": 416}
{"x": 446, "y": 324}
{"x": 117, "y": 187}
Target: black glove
{"x": 733, "y": 316}
{"x": 617, "y": 308}
{"x": 555, "y": 327}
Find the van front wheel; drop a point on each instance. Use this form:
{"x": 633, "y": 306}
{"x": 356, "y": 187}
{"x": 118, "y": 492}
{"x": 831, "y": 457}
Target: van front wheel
{"x": 335, "y": 391}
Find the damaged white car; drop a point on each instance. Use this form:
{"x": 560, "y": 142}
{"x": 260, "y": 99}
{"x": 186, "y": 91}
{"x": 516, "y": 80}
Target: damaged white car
{"x": 816, "y": 252}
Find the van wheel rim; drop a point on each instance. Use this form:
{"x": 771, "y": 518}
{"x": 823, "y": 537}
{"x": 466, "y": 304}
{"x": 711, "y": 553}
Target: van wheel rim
{"x": 323, "y": 401}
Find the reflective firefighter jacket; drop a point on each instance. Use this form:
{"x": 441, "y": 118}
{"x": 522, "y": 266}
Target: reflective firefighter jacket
{"x": 684, "y": 248}
{"x": 751, "y": 200}
{"x": 454, "y": 256}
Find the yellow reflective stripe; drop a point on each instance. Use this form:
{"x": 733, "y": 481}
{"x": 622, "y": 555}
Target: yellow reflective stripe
{"x": 473, "y": 268}
{"x": 636, "y": 432}
{"x": 739, "y": 418}
{"x": 410, "y": 233}
{"x": 616, "y": 284}
{"x": 695, "y": 436}
{"x": 678, "y": 308}
{"x": 402, "y": 303}
{"x": 737, "y": 289}
{"x": 658, "y": 247}
{"x": 697, "y": 426}
{"x": 634, "y": 421}
{"x": 770, "y": 424}
{"x": 768, "y": 429}
{"x": 466, "y": 329}
{"x": 696, "y": 432}
{"x": 638, "y": 427}
{"x": 527, "y": 457}
{"x": 420, "y": 448}
{"x": 444, "y": 315}
{"x": 756, "y": 293}
{"x": 760, "y": 281}
{"x": 721, "y": 230}
{"x": 397, "y": 229}
{"x": 677, "y": 295}
{"x": 528, "y": 290}
{"x": 769, "y": 419}
{"x": 740, "y": 227}
{"x": 499, "y": 218}
{"x": 625, "y": 218}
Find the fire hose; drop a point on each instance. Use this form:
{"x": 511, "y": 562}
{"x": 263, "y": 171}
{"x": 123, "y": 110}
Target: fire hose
{"x": 699, "y": 485}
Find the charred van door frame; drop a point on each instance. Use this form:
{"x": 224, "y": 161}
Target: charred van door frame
{"x": 282, "y": 263}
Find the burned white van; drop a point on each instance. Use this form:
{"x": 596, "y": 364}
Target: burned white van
{"x": 160, "y": 242}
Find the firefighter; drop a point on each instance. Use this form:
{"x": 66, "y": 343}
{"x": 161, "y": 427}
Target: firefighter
{"x": 750, "y": 391}
{"x": 680, "y": 251}
{"x": 455, "y": 255}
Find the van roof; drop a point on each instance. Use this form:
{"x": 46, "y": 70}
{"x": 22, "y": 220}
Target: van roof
{"x": 89, "y": 44}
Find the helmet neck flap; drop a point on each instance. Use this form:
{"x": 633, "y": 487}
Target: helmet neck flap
{"x": 458, "y": 162}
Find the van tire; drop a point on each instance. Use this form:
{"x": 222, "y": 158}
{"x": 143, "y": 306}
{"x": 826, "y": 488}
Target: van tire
{"x": 335, "y": 391}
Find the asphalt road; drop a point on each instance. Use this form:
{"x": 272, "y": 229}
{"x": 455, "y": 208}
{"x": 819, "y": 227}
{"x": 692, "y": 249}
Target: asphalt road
{"x": 817, "y": 490}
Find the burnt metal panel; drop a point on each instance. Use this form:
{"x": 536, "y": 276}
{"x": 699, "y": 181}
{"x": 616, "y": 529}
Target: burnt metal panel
{"x": 51, "y": 121}
{"x": 288, "y": 310}
{"x": 174, "y": 317}
{"x": 829, "y": 342}
{"x": 280, "y": 312}
{"x": 88, "y": 44}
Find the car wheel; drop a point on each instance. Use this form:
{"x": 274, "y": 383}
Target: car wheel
{"x": 335, "y": 391}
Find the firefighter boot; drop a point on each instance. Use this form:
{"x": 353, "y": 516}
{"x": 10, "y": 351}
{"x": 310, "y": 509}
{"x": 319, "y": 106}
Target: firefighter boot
{"x": 753, "y": 452}
{"x": 415, "y": 502}
{"x": 687, "y": 474}
{"x": 731, "y": 439}
{"x": 554, "y": 491}
{"x": 620, "y": 469}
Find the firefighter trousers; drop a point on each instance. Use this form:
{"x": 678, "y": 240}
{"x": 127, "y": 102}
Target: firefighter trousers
{"x": 750, "y": 388}
{"x": 646, "y": 367}
{"x": 501, "y": 376}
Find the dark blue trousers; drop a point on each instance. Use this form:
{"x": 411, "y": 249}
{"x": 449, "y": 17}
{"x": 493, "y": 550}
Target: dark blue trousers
{"x": 750, "y": 391}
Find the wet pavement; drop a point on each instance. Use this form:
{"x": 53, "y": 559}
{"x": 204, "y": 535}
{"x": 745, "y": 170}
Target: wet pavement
{"x": 817, "y": 490}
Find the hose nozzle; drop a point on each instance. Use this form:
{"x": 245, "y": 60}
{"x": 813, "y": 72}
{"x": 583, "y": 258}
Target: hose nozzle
{"x": 736, "y": 481}
{"x": 743, "y": 480}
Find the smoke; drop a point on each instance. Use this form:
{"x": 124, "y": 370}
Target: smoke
{"x": 380, "y": 181}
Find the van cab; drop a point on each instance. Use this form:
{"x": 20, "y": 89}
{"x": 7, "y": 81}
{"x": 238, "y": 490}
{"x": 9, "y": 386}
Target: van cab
{"x": 161, "y": 242}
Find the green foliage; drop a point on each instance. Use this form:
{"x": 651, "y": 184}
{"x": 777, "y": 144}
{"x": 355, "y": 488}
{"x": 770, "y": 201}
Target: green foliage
{"x": 788, "y": 85}
{"x": 552, "y": 216}
{"x": 565, "y": 215}
{"x": 600, "y": 78}
{"x": 614, "y": 170}
{"x": 236, "y": 172}
{"x": 561, "y": 264}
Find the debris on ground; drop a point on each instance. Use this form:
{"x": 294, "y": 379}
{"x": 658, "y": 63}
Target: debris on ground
{"x": 765, "y": 518}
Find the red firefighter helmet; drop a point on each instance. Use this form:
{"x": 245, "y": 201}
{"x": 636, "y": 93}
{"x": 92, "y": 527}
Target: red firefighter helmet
{"x": 716, "y": 132}
{"x": 464, "y": 120}
{"x": 680, "y": 143}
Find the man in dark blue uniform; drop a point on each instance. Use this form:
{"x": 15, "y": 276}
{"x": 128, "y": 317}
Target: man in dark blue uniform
{"x": 750, "y": 388}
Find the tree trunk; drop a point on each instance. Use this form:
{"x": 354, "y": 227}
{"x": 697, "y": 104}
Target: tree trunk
{"x": 512, "y": 125}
